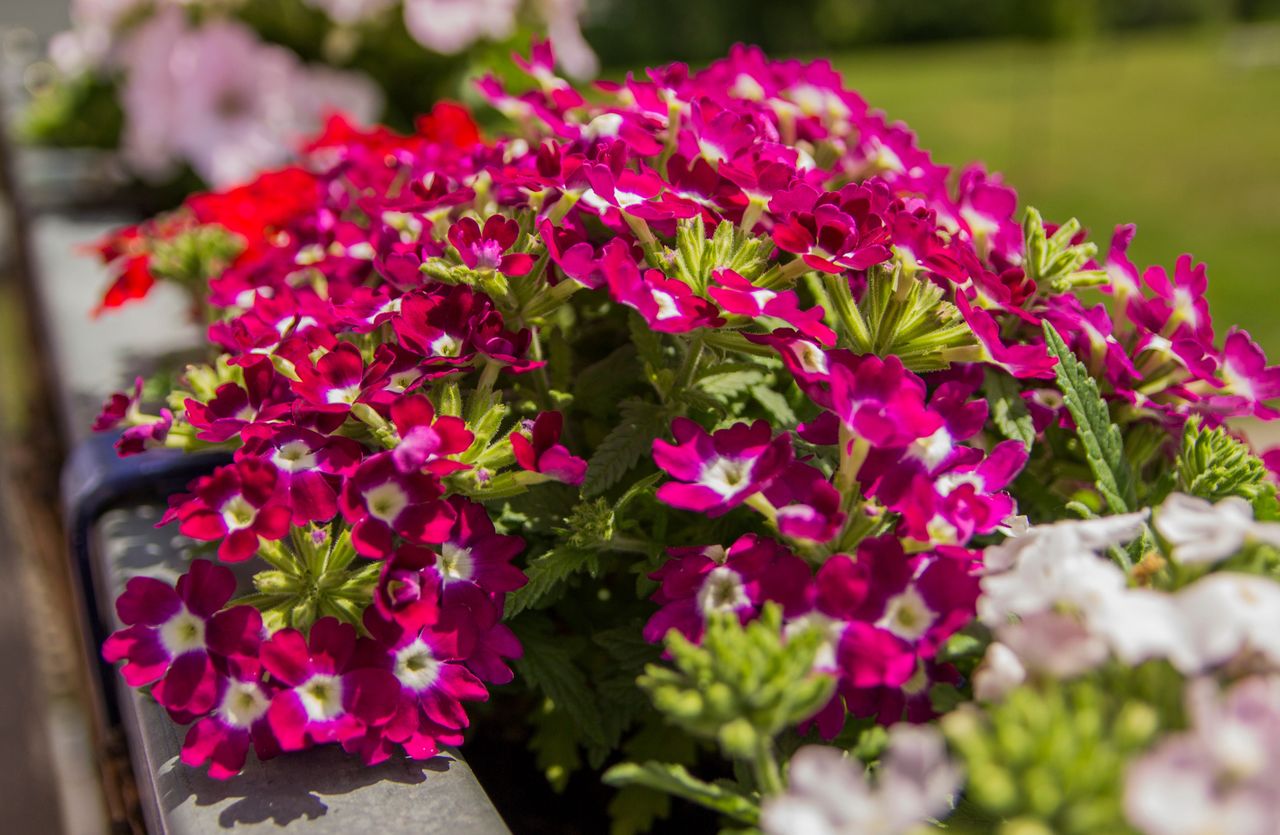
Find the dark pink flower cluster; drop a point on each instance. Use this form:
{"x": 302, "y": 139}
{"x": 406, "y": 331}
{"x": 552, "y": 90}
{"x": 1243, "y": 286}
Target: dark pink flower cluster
{"x": 380, "y": 310}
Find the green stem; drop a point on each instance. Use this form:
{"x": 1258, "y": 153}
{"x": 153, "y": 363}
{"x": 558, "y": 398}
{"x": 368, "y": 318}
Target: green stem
{"x": 689, "y": 368}
{"x": 841, "y": 299}
{"x": 765, "y": 766}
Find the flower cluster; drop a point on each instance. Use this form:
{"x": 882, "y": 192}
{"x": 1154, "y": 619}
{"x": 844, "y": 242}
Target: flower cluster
{"x": 747, "y": 375}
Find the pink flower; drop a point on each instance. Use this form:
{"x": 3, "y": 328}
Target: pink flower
{"x": 719, "y": 471}
{"x": 667, "y": 305}
{"x": 439, "y": 326}
{"x": 173, "y": 632}
{"x": 879, "y": 400}
{"x": 486, "y": 250}
{"x": 426, "y": 440}
{"x": 236, "y": 504}
{"x": 738, "y": 296}
{"x": 337, "y": 380}
{"x": 832, "y": 232}
{"x": 450, "y": 26}
{"x": 327, "y": 695}
{"x": 379, "y": 502}
{"x": 309, "y": 466}
{"x": 237, "y": 721}
{"x": 263, "y": 397}
{"x": 1250, "y": 382}
{"x": 537, "y": 448}
{"x": 118, "y": 407}
{"x": 698, "y": 583}
{"x": 808, "y": 506}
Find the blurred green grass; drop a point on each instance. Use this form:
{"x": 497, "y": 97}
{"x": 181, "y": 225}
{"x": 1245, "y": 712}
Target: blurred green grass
{"x": 1179, "y": 133}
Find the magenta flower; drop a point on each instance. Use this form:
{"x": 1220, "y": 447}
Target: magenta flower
{"x": 426, "y": 440}
{"x": 237, "y": 721}
{"x": 897, "y": 609}
{"x": 485, "y": 250}
{"x": 380, "y": 501}
{"x": 172, "y": 633}
{"x": 1022, "y": 361}
{"x": 427, "y": 662}
{"x": 1179, "y": 302}
{"x": 409, "y": 586}
{"x": 831, "y": 232}
{"x": 879, "y": 401}
{"x": 438, "y": 326}
{"x": 309, "y": 466}
{"x": 667, "y": 305}
{"x": 808, "y": 506}
{"x": 575, "y": 257}
{"x": 327, "y": 695}
{"x": 119, "y": 406}
{"x": 336, "y": 380}
{"x": 738, "y": 296}
{"x": 537, "y": 448}
{"x": 263, "y": 397}
{"x": 492, "y": 643}
{"x": 698, "y": 583}
{"x": 719, "y": 471}
{"x": 1250, "y": 382}
{"x": 237, "y": 504}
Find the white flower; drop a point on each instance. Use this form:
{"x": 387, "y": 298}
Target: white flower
{"x": 829, "y": 795}
{"x": 1053, "y": 643}
{"x": 349, "y": 12}
{"x": 450, "y": 26}
{"x": 572, "y": 50}
{"x": 1223, "y": 775}
{"x": 220, "y": 99}
{"x": 999, "y": 673}
{"x": 1206, "y": 533}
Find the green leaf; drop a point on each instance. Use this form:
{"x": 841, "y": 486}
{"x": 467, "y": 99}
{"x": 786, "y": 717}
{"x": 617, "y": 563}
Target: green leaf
{"x": 555, "y": 746}
{"x": 1100, "y": 438}
{"x": 676, "y": 780}
{"x": 629, "y": 441}
{"x": 1008, "y": 412}
{"x": 546, "y": 574}
{"x": 635, "y": 809}
{"x": 548, "y": 666}
{"x": 604, "y": 383}
{"x": 729, "y": 385}
{"x": 647, "y": 341}
{"x": 776, "y": 405}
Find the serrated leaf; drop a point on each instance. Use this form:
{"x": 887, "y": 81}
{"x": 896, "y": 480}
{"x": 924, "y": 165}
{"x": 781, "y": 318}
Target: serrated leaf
{"x": 603, "y": 383}
{"x": 548, "y": 666}
{"x": 647, "y": 341}
{"x": 1099, "y": 437}
{"x": 776, "y": 405}
{"x": 629, "y": 441}
{"x": 635, "y": 809}
{"x": 1008, "y": 412}
{"x": 676, "y": 780}
{"x": 546, "y": 573}
{"x": 730, "y": 384}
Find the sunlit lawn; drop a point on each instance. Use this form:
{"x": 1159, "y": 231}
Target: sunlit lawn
{"x": 1178, "y": 133}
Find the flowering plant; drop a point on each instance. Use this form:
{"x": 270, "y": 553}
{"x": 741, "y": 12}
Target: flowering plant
{"x": 733, "y": 423}
{"x": 225, "y": 89}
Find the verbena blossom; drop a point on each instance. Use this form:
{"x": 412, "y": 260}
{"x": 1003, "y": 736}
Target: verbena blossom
{"x": 827, "y": 794}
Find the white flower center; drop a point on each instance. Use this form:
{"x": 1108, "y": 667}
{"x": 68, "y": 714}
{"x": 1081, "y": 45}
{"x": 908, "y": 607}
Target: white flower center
{"x": 182, "y": 633}
{"x": 416, "y": 666}
{"x": 727, "y": 476}
{"x": 455, "y": 563}
{"x": 762, "y": 297}
{"x": 243, "y": 704}
{"x": 811, "y": 358}
{"x": 722, "y": 591}
{"x": 321, "y": 697}
{"x": 445, "y": 345}
{"x": 237, "y": 513}
{"x": 293, "y": 457}
{"x": 386, "y": 501}
{"x": 933, "y": 450}
{"x": 346, "y": 394}
{"x": 667, "y": 308}
{"x": 907, "y": 616}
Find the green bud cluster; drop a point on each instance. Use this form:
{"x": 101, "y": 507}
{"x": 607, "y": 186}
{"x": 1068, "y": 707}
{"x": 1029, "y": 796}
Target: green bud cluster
{"x": 1051, "y": 759}
{"x": 696, "y": 256}
{"x": 193, "y": 256}
{"x": 743, "y": 685}
{"x": 1213, "y": 465}
{"x": 312, "y": 577}
{"x": 1053, "y": 262}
